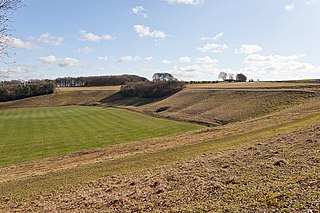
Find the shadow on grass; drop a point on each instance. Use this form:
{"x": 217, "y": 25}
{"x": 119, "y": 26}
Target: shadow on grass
{"x": 117, "y": 99}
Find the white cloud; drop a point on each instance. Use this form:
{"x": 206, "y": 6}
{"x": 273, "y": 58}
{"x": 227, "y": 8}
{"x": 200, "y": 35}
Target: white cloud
{"x": 129, "y": 58}
{"x": 289, "y": 7}
{"x": 185, "y": 59}
{"x": 85, "y": 50}
{"x": 48, "y": 39}
{"x": 203, "y": 66}
{"x": 62, "y": 62}
{"x": 103, "y": 58}
{"x": 206, "y": 60}
{"x": 148, "y": 58}
{"x": 277, "y": 67}
{"x": 214, "y": 38}
{"x": 144, "y": 31}
{"x": 271, "y": 58}
{"x": 69, "y": 62}
{"x": 188, "y": 71}
{"x": 188, "y": 2}
{"x": 50, "y": 59}
{"x": 166, "y": 61}
{"x": 311, "y": 2}
{"x": 139, "y": 10}
{"x": 212, "y": 47}
{"x": 86, "y": 36}
{"x": 17, "y": 72}
{"x": 248, "y": 49}
{"x": 18, "y": 43}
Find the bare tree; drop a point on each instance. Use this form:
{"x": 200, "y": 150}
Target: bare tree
{"x": 6, "y": 9}
{"x": 231, "y": 76}
{"x": 223, "y": 75}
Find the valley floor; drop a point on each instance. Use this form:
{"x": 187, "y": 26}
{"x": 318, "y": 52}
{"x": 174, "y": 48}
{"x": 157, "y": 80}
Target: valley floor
{"x": 267, "y": 161}
{"x": 279, "y": 174}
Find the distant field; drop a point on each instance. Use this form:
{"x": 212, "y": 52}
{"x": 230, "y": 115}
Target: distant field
{"x": 62, "y": 97}
{"x": 35, "y": 133}
{"x": 256, "y": 85}
{"x": 102, "y": 88}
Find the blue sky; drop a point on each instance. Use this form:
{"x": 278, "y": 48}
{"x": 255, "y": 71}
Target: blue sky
{"x": 192, "y": 39}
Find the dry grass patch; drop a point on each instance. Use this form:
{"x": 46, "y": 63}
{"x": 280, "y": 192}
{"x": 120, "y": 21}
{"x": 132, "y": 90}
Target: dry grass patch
{"x": 101, "y": 88}
{"x": 220, "y": 107}
{"x": 256, "y": 85}
{"x": 62, "y": 97}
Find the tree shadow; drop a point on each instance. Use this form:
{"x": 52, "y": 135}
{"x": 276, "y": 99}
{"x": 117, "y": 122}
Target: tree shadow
{"x": 117, "y": 99}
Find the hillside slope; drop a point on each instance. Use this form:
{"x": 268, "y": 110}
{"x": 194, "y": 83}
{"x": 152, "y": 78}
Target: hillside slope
{"x": 64, "y": 97}
{"x": 216, "y": 107}
{"x": 260, "y": 165}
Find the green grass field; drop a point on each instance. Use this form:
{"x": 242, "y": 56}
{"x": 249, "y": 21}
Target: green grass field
{"x": 35, "y": 133}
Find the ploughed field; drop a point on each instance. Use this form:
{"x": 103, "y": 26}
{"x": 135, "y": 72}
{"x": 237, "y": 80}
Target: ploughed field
{"x": 35, "y": 133}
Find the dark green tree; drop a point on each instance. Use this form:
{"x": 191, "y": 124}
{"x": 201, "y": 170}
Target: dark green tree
{"x": 241, "y": 77}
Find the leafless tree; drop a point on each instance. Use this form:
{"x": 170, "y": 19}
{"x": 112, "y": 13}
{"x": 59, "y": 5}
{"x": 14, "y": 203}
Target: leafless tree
{"x": 223, "y": 75}
{"x": 230, "y": 76}
{"x": 6, "y": 9}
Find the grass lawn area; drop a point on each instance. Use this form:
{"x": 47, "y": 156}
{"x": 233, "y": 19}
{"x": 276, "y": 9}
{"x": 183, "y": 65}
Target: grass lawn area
{"x": 35, "y": 133}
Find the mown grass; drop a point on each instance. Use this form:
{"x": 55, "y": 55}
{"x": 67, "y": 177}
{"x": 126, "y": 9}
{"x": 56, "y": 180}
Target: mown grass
{"x": 149, "y": 161}
{"x": 35, "y": 133}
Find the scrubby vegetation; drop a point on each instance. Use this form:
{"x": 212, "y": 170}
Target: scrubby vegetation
{"x": 14, "y": 90}
{"x": 151, "y": 89}
{"x": 98, "y": 81}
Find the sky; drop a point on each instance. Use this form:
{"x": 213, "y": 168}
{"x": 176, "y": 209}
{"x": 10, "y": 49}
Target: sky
{"x": 191, "y": 39}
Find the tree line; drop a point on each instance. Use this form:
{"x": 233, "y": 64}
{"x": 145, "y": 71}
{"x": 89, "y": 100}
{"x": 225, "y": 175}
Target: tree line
{"x": 151, "y": 89}
{"x": 232, "y": 77}
{"x": 98, "y": 81}
{"x": 13, "y": 90}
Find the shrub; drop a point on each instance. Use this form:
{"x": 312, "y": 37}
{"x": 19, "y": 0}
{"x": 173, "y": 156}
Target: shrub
{"x": 97, "y": 81}
{"x": 17, "y": 90}
{"x": 151, "y": 89}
